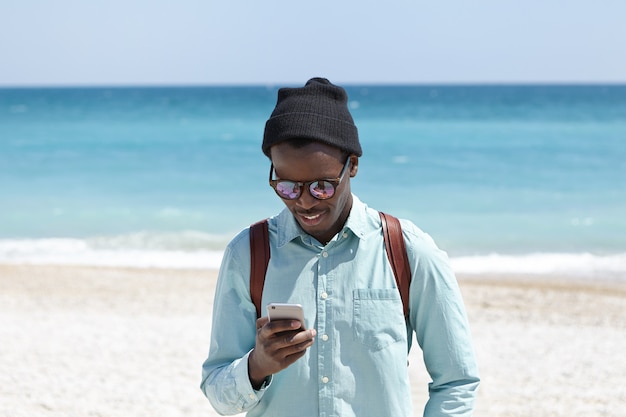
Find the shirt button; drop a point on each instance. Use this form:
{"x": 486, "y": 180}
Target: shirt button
{"x": 344, "y": 234}
{"x": 325, "y": 254}
{"x": 325, "y": 380}
{"x": 325, "y": 337}
{"x": 324, "y": 295}
{"x": 252, "y": 397}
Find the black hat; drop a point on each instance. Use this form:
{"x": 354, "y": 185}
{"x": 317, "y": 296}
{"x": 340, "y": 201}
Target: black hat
{"x": 317, "y": 111}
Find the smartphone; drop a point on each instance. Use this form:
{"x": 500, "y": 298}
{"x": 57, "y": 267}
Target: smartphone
{"x": 285, "y": 311}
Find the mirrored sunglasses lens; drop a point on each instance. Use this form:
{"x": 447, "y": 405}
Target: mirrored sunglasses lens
{"x": 287, "y": 189}
{"x": 322, "y": 190}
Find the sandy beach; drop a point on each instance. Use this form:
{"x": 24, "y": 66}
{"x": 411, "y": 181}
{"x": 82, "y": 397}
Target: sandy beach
{"x": 86, "y": 341}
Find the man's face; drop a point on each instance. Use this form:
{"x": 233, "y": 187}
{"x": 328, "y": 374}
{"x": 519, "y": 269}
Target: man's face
{"x": 321, "y": 219}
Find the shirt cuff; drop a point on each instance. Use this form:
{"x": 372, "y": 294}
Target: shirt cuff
{"x": 242, "y": 379}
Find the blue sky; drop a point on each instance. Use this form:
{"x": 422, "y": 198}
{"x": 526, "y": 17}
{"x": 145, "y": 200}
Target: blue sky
{"x": 140, "y": 42}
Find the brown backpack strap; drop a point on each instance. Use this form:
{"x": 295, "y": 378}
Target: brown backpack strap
{"x": 396, "y": 252}
{"x": 259, "y": 259}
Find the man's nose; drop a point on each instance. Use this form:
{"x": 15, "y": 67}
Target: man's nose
{"x": 306, "y": 200}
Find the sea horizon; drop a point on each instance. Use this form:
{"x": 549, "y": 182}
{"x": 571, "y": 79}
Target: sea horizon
{"x": 174, "y": 85}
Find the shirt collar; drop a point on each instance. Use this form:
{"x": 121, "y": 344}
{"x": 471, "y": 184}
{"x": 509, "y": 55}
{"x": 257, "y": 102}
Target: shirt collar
{"x": 289, "y": 229}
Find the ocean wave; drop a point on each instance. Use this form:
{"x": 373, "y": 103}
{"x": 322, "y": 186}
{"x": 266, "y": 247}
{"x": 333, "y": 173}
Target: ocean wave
{"x": 185, "y": 241}
{"x": 199, "y": 251}
{"x": 134, "y": 250}
{"x": 573, "y": 264}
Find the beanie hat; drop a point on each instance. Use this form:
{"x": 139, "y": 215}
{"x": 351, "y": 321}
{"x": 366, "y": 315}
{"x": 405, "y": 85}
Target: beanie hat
{"x": 317, "y": 111}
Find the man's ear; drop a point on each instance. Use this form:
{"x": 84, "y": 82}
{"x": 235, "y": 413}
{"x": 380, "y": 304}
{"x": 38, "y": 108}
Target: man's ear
{"x": 354, "y": 165}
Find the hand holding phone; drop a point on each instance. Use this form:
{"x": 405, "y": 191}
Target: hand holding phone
{"x": 278, "y": 345}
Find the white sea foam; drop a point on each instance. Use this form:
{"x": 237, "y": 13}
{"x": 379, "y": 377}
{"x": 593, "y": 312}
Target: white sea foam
{"x": 196, "y": 251}
{"x": 81, "y": 252}
{"x": 577, "y": 264}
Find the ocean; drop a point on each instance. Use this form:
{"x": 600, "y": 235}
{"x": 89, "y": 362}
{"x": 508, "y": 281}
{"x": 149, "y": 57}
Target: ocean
{"x": 512, "y": 179}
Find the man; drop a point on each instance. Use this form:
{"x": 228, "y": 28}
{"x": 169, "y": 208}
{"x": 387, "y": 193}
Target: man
{"x": 327, "y": 254}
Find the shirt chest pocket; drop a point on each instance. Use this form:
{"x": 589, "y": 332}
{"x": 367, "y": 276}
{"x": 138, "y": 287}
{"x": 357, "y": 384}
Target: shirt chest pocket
{"x": 378, "y": 317}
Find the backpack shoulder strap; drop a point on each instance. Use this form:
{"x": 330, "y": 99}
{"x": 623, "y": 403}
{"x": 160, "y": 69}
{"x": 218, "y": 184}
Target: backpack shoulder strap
{"x": 396, "y": 252}
{"x": 259, "y": 259}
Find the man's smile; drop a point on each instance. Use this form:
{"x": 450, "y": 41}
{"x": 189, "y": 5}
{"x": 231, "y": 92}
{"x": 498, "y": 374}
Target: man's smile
{"x": 309, "y": 219}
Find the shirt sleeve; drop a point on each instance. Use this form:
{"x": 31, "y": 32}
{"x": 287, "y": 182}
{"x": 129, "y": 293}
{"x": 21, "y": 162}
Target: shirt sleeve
{"x": 225, "y": 380}
{"x": 439, "y": 320}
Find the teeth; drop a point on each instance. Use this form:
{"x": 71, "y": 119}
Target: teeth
{"x": 311, "y": 217}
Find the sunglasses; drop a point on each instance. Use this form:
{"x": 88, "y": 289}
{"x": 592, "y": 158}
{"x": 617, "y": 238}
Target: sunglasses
{"x": 320, "y": 189}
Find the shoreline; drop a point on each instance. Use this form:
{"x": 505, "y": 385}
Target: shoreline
{"x": 112, "y": 342}
{"x": 200, "y": 251}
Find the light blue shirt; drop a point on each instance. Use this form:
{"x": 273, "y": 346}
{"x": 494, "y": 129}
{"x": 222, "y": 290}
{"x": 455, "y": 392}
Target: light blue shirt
{"x": 357, "y": 365}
